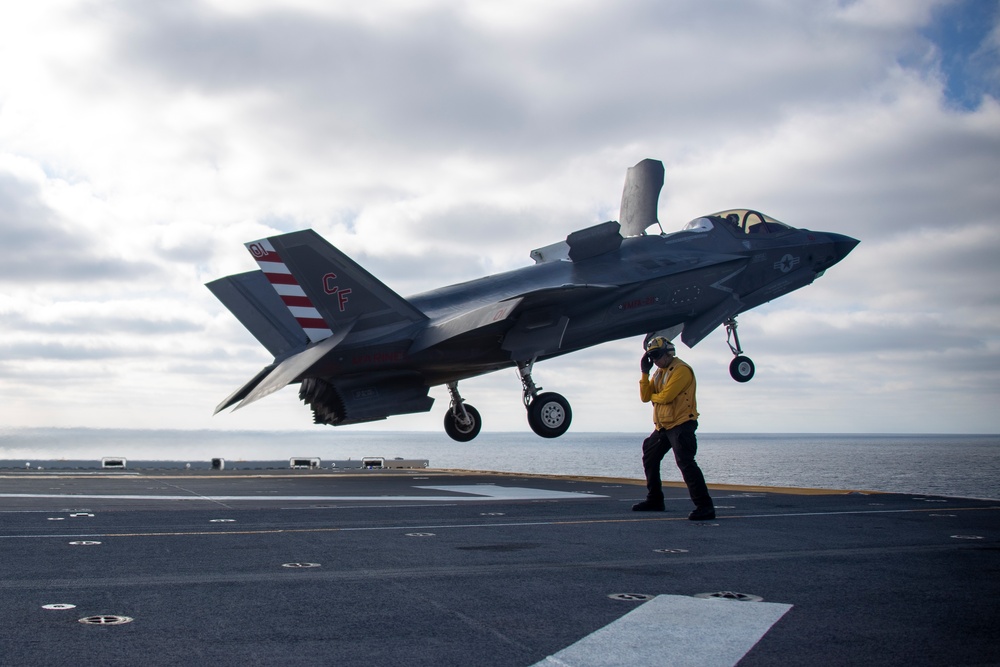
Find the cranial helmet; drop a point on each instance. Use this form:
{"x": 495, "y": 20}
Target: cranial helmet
{"x": 660, "y": 345}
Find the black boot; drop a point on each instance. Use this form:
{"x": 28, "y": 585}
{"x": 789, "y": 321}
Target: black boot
{"x": 702, "y": 513}
{"x": 648, "y": 505}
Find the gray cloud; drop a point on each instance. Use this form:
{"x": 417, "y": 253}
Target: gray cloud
{"x": 135, "y": 324}
{"x": 58, "y": 350}
{"x": 42, "y": 247}
{"x": 604, "y": 77}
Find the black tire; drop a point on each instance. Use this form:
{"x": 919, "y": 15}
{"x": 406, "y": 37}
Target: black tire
{"x": 456, "y": 430}
{"x": 549, "y": 415}
{"x": 741, "y": 369}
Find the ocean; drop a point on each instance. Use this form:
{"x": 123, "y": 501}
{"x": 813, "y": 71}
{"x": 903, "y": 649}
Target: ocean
{"x": 951, "y": 465}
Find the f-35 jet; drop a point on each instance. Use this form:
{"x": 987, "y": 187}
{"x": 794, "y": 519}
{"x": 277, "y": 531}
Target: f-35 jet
{"x": 360, "y": 352}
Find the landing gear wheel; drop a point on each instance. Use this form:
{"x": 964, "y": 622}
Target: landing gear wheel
{"x": 549, "y": 415}
{"x": 741, "y": 369}
{"x": 460, "y": 430}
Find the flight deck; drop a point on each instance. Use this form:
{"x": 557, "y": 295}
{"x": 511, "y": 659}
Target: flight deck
{"x": 429, "y": 567}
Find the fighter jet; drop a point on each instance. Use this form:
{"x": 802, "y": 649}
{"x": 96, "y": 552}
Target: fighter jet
{"x": 360, "y": 352}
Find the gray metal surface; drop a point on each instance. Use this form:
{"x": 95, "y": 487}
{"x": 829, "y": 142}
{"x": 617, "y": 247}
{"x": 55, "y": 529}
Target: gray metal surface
{"x": 430, "y": 568}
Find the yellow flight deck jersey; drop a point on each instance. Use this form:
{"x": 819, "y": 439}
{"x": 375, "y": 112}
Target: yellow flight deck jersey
{"x": 672, "y": 392}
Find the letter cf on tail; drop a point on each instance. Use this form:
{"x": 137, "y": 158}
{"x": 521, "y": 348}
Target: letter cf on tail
{"x": 330, "y": 287}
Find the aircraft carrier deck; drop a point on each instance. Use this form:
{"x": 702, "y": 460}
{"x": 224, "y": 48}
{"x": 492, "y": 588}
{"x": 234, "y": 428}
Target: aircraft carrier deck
{"x": 426, "y": 567}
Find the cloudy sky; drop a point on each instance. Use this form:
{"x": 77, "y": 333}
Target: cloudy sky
{"x": 437, "y": 141}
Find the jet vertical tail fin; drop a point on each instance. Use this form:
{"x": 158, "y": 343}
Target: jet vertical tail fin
{"x": 326, "y": 291}
{"x": 295, "y": 299}
{"x": 250, "y": 298}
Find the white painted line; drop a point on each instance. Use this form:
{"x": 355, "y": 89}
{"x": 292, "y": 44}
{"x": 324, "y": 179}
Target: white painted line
{"x": 674, "y": 630}
{"x": 477, "y": 492}
{"x": 510, "y": 492}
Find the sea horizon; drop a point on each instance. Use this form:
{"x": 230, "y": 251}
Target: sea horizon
{"x": 966, "y": 465}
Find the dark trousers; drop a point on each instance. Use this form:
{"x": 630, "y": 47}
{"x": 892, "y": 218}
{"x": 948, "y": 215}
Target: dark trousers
{"x": 685, "y": 445}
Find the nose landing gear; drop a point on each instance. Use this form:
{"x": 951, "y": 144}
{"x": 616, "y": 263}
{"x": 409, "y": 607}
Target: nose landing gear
{"x": 549, "y": 414}
{"x": 741, "y": 368}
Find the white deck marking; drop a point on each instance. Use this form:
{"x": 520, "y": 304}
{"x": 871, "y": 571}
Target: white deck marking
{"x": 476, "y": 492}
{"x": 675, "y": 630}
{"x": 510, "y": 492}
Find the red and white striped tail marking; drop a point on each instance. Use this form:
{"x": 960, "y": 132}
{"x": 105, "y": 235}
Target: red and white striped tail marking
{"x": 288, "y": 289}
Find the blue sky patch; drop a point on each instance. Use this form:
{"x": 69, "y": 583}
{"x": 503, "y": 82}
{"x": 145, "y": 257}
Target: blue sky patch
{"x": 970, "y": 57}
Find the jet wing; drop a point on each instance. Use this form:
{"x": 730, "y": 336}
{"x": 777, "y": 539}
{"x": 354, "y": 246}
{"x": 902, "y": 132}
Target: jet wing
{"x": 529, "y": 313}
{"x": 562, "y": 293}
{"x": 470, "y": 320}
{"x": 541, "y": 320}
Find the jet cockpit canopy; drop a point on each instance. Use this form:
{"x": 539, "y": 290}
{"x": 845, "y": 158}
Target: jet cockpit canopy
{"x": 743, "y": 220}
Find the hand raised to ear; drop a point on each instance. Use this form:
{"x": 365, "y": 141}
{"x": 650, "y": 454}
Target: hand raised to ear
{"x": 645, "y": 364}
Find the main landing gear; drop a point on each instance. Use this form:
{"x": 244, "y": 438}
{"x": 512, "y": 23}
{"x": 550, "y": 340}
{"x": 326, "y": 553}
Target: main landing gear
{"x": 549, "y": 414}
{"x": 741, "y": 368}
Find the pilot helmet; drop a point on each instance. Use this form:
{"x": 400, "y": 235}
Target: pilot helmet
{"x": 658, "y": 346}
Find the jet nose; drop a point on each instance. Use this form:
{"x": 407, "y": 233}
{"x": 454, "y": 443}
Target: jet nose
{"x": 842, "y": 245}
{"x": 839, "y": 247}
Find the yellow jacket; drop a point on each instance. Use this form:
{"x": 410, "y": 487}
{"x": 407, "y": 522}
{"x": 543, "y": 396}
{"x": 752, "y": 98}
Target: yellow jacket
{"x": 672, "y": 392}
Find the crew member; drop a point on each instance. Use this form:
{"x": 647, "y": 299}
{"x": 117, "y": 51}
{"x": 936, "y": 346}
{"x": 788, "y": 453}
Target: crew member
{"x": 671, "y": 390}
